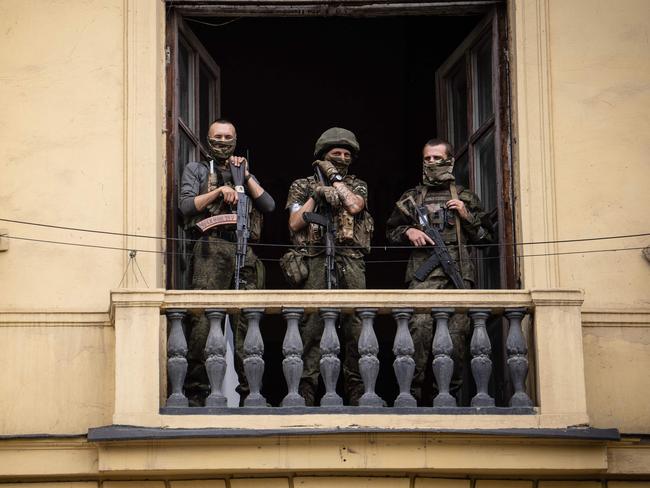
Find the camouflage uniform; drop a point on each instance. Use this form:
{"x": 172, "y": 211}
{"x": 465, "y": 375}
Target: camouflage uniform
{"x": 213, "y": 268}
{"x": 350, "y": 269}
{"x": 421, "y": 326}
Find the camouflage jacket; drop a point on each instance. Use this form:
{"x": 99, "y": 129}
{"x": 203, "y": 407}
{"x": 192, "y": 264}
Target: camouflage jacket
{"x": 362, "y": 223}
{"x": 475, "y": 230}
{"x": 195, "y": 182}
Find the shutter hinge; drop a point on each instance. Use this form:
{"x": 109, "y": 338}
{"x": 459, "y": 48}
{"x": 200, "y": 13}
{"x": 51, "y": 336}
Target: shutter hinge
{"x": 168, "y": 55}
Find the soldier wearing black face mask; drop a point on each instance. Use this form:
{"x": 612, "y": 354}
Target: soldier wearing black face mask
{"x": 207, "y": 190}
{"x": 345, "y": 196}
{"x": 457, "y": 214}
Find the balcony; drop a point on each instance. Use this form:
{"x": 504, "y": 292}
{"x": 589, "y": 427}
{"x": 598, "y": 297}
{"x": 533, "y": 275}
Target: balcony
{"x": 544, "y": 364}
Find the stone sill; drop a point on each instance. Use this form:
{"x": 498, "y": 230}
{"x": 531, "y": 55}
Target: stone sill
{"x": 348, "y": 410}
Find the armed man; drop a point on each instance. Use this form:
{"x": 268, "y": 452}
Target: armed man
{"x": 211, "y": 201}
{"x": 331, "y": 228}
{"x": 440, "y": 210}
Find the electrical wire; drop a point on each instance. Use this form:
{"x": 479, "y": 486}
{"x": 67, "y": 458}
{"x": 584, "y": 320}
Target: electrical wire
{"x": 96, "y": 246}
{"x": 317, "y": 246}
{"x": 211, "y": 24}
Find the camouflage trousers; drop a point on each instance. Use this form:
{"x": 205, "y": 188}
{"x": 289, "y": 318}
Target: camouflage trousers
{"x": 351, "y": 274}
{"x": 214, "y": 269}
{"x": 422, "y": 329}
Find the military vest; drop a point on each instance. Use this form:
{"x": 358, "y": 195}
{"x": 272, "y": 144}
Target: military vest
{"x": 219, "y": 207}
{"x": 350, "y": 230}
{"x": 434, "y": 201}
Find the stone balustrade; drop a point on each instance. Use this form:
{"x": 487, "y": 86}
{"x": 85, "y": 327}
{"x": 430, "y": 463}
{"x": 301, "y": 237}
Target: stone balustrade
{"x": 330, "y": 351}
{"x": 553, "y": 330}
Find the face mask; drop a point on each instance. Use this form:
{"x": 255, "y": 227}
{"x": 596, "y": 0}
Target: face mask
{"x": 438, "y": 172}
{"x": 341, "y": 164}
{"x": 222, "y": 150}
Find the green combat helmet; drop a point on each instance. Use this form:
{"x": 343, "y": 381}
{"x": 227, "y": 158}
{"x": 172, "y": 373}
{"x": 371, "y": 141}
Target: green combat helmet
{"x": 336, "y": 137}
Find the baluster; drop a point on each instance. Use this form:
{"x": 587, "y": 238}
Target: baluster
{"x": 330, "y": 365}
{"x": 215, "y": 358}
{"x": 404, "y": 364}
{"x": 481, "y": 363}
{"x": 368, "y": 361}
{"x": 176, "y": 358}
{"x": 253, "y": 362}
{"x": 517, "y": 357}
{"x": 292, "y": 363}
{"x": 443, "y": 364}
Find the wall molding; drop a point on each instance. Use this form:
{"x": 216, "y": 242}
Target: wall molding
{"x": 144, "y": 141}
{"x": 629, "y": 317}
{"x": 54, "y": 318}
{"x": 533, "y": 126}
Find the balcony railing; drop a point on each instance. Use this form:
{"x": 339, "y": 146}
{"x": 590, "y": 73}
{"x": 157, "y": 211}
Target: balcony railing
{"x": 151, "y": 341}
{"x": 330, "y": 362}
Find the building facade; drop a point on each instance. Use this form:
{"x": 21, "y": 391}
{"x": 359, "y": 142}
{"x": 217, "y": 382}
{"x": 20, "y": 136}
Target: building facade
{"x": 92, "y": 129}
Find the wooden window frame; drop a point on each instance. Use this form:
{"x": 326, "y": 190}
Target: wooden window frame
{"x": 176, "y": 28}
{"x": 500, "y": 121}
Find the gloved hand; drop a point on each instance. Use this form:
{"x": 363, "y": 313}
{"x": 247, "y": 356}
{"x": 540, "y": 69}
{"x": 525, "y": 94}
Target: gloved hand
{"x": 327, "y": 194}
{"x": 328, "y": 169}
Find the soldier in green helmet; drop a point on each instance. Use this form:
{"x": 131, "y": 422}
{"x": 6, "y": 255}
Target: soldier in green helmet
{"x": 346, "y": 196}
{"x": 458, "y": 215}
{"x": 207, "y": 190}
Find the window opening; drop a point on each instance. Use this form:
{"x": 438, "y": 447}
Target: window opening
{"x": 386, "y": 79}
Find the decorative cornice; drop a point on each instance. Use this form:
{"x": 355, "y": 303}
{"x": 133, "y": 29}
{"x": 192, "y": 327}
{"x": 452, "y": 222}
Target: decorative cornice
{"x": 630, "y": 317}
{"x": 557, "y": 297}
{"x": 54, "y": 318}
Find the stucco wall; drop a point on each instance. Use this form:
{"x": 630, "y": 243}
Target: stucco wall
{"x": 72, "y": 96}
{"x": 81, "y": 145}
{"x": 600, "y": 95}
{"x": 57, "y": 373}
{"x": 61, "y": 149}
{"x": 617, "y": 361}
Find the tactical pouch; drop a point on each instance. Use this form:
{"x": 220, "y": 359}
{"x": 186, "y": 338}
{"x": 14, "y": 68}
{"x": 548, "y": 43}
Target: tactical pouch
{"x": 344, "y": 227}
{"x": 364, "y": 227}
{"x": 294, "y": 267}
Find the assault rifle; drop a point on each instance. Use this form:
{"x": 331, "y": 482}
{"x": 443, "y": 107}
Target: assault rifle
{"x": 324, "y": 220}
{"x": 242, "y": 232}
{"x": 440, "y": 255}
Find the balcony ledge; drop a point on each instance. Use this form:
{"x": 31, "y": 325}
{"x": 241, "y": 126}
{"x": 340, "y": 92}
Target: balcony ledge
{"x": 111, "y": 433}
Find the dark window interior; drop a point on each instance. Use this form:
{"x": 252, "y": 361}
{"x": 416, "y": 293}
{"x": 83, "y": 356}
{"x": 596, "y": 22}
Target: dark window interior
{"x": 283, "y": 81}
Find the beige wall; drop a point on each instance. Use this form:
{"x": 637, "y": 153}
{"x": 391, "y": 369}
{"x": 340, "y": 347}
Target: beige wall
{"x": 57, "y": 373}
{"x": 583, "y": 90}
{"x": 600, "y": 96}
{"x": 68, "y": 149}
{"x": 61, "y": 154}
{"x": 617, "y": 361}
{"x": 81, "y": 145}
{"x": 581, "y": 94}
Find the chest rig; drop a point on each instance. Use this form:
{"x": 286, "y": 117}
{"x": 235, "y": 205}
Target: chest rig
{"x": 434, "y": 201}
{"x": 349, "y": 230}
{"x": 219, "y": 207}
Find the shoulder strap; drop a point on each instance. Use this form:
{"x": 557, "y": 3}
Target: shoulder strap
{"x": 422, "y": 193}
